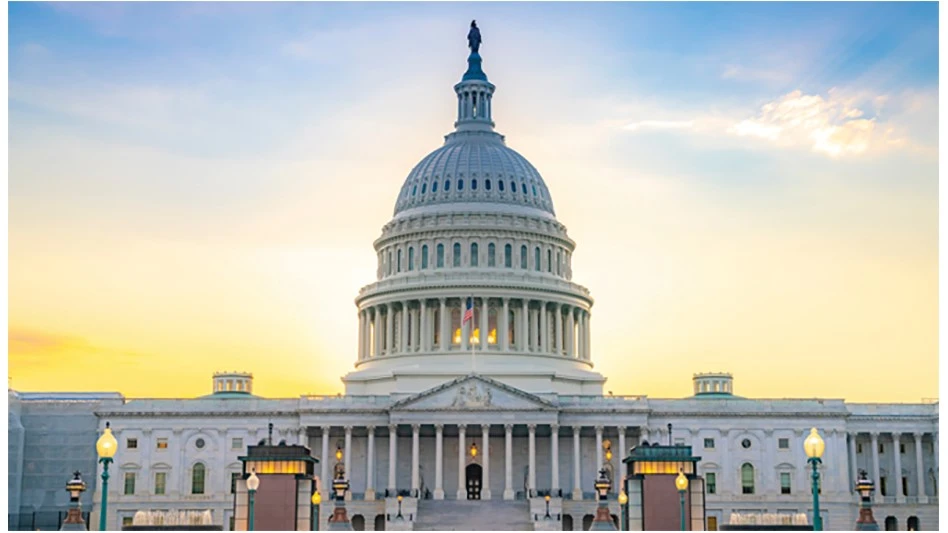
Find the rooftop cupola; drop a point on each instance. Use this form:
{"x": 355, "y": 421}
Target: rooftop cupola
{"x": 474, "y": 91}
{"x": 713, "y": 384}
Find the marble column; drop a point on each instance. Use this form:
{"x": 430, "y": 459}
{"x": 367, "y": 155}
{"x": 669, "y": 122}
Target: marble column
{"x": 558, "y": 330}
{"x": 370, "y": 466}
{"x": 325, "y": 484}
{"x": 392, "y": 457}
{"x": 532, "y": 452}
{"x": 555, "y": 458}
{"x": 505, "y": 326}
{"x": 577, "y": 482}
{"x": 462, "y": 479}
{"x": 347, "y": 456}
{"x": 919, "y": 467}
{"x": 403, "y": 332}
{"x": 535, "y": 337}
{"x": 444, "y": 340}
{"x": 466, "y": 327}
{"x": 424, "y": 326}
{"x": 508, "y": 462}
{"x": 544, "y": 329}
{"x": 874, "y": 436}
{"x": 623, "y": 452}
{"x": 415, "y": 472}
{"x": 389, "y": 329}
{"x": 570, "y": 333}
{"x": 580, "y": 331}
{"x": 598, "y": 448}
{"x": 439, "y": 462}
{"x": 853, "y": 465}
{"x": 485, "y": 453}
{"x": 361, "y": 352}
{"x": 897, "y": 478}
{"x": 377, "y": 334}
{"x": 485, "y": 323}
{"x": 587, "y": 337}
{"x": 415, "y": 329}
{"x": 935, "y": 448}
{"x": 524, "y": 330}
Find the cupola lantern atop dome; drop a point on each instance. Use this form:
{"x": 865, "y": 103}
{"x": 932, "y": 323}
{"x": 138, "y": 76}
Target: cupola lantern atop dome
{"x": 474, "y": 91}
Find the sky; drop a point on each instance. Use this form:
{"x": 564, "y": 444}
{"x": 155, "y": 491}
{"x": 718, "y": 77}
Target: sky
{"x": 752, "y": 187}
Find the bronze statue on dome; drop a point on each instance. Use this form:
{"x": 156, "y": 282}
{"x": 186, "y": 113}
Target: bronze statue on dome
{"x": 474, "y": 38}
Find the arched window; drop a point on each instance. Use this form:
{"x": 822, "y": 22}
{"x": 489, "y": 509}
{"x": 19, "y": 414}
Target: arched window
{"x": 508, "y": 252}
{"x": 534, "y": 187}
{"x": 424, "y": 256}
{"x": 500, "y": 184}
{"x": 447, "y": 185}
{"x": 434, "y": 186}
{"x": 197, "y": 479}
{"x": 490, "y": 255}
{"x": 411, "y": 258}
{"x": 549, "y": 261}
{"x": 513, "y": 186}
{"x": 487, "y": 184}
{"x": 440, "y": 263}
{"x": 523, "y": 187}
{"x": 460, "y": 185}
{"x": 523, "y": 257}
{"x": 474, "y": 184}
{"x": 747, "y": 478}
{"x": 473, "y": 254}
{"x": 913, "y": 523}
{"x": 424, "y": 187}
{"x": 398, "y": 267}
{"x": 457, "y": 254}
{"x": 414, "y": 190}
{"x": 536, "y": 259}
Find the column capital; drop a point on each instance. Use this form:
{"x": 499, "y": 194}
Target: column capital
{"x": 325, "y": 429}
{"x": 599, "y": 429}
{"x": 462, "y": 428}
{"x": 554, "y": 427}
{"x": 621, "y": 429}
{"x": 348, "y": 429}
{"x": 874, "y": 435}
{"x": 415, "y": 428}
{"x": 532, "y": 427}
{"x": 439, "y": 427}
{"x": 508, "y": 427}
{"x": 392, "y": 428}
{"x": 918, "y": 434}
{"x": 485, "y": 428}
{"x": 577, "y": 429}
{"x": 370, "y": 429}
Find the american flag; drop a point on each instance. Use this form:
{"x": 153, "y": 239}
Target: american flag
{"x": 468, "y": 311}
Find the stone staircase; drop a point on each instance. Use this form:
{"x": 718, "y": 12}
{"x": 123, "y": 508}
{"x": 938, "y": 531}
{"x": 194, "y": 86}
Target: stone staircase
{"x": 473, "y": 515}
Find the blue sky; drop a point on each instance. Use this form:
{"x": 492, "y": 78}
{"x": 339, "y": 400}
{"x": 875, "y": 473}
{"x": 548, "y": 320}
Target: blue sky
{"x": 726, "y": 168}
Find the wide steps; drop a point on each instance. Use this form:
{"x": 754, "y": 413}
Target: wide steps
{"x": 473, "y": 515}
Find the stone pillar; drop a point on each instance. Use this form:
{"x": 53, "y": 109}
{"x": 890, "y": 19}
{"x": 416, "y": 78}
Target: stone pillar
{"x": 558, "y": 333}
{"x": 508, "y": 462}
{"x": 587, "y": 337}
{"x": 485, "y": 453}
{"x": 935, "y": 444}
{"x": 544, "y": 329}
{"x": 505, "y": 326}
{"x": 524, "y": 332}
{"x": 532, "y": 451}
{"x": 325, "y": 484}
{"x": 466, "y": 327}
{"x": 580, "y": 332}
{"x": 896, "y": 451}
{"x": 392, "y": 456}
{"x": 361, "y": 352}
{"x": 462, "y": 479}
{"x": 570, "y": 332}
{"x": 403, "y": 332}
{"x": 377, "y": 333}
{"x": 853, "y": 465}
{"x": 347, "y": 457}
{"x": 623, "y": 451}
{"x": 415, "y": 329}
{"x": 577, "y": 482}
{"x": 874, "y": 436}
{"x": 919, "y": 467}
{"x": 424, "y": 326}
{"x": 485, "y": 323}
{"x": 389, "y": 329}
{"x": 535, "y": 337}
{"x": 555, "y": 458}
{"x": 439, "y": 462}
{"x": 415, "y": 473}
{"x": 598, "y": 448}
{"x": 370, "y": 466}
{"x": 445, "y": 336}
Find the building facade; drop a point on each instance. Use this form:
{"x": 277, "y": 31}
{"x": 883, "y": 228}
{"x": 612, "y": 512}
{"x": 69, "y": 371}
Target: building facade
{"x": 474, "y": 380}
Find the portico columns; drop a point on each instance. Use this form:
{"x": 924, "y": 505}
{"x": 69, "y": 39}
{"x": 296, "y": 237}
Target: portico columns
{"x": 347, "y": 457}
{"x": 462, "y": 484}
{"x": 392, "y": 448}
{"x": 324, "y": 482}
{"x": 361, "y": 334}
{"x": 415, "y": 473}
{"x": 505, "y": 326}
{"x": 532, "y": 450}
{"x": 404, "y": 333}
{"x": 377, "y": 334}
{"x": 485, "y": 453}
{"x": 854, "y": 468}
{"x": 577, "y": 482}
{"x": 598, "y": 447}
{"x": 544, "y": 329}
{"x": 554, "y": 458}
{"x": 874, "y": 436}
{"x": 524, "y": 331}
{"x": 919, "y": 467}
{"x": 423, "y": 325}
{"x": 558, "y": 330}
{"x": 897, "y": 478}
{"x": 389, "y": 328}
{"x": 485, "y": 328}
{"x": 570, "y": 333}
{"x": 439, "y": 462}
{"x": 370, "y": 466}
{"x": 444, "y": 337}
{"x": 508, "y": 462}
{"x": 623, "y": 451}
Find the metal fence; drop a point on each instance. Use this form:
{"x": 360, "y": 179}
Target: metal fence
{"x": 40, "y": 521}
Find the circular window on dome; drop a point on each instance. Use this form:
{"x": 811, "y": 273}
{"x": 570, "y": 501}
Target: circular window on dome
{"x": 199, "y": 443}
{"x": 746, "y": 443}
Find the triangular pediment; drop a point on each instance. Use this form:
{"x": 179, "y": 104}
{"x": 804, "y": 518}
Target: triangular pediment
{"x": 473, "y": 393}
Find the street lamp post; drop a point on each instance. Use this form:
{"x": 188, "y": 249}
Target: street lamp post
{"x": 623, "y": 501}
{"x": 399, "y": 515}
{"x": 253, "y": 483}
{"x": 814, "y": 446}
{"x": 865, "y": 487}
{"x": 681, "y": 483}
{"x": 75, "y": 488}
{"x": 340, "y": 520}
{"x": 602, "y": 521}
{"x": 316, "y": 499}
{"x": 547, "y": 498}
{"x": 105, "y": 447}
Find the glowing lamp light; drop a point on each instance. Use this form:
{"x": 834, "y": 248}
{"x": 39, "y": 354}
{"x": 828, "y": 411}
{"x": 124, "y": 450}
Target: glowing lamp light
{"x": 814, "y": 445}
{"x": 106, "y": 445}
{"x": 399, "y": 497}
{"x": 339, "y": 454}
{"x": 547, "y": 497}
{"x": 473, "y": 450}
{"x": 476, "y": 336}
{"x": 623, "y": 498}
{"x": 316, "y": 499}
{"x": 492, "y": 336}
{"x": 681, "y": 482}
{"x": 608, "y": 455}
{"x": 253, "y": 482}
{"x": 75, "y": 486}
{"x": 457, "y": 336}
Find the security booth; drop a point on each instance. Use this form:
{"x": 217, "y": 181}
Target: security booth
{"x": 664, "y": 490}
{"x": 283, "y": 484}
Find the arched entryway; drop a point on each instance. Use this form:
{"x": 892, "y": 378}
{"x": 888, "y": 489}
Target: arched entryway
{"x": 587, "y": 522}
{"x": 567, "y": 522}
{"x": 913, "y": 523}
{"x": 474, "y": 474}
{"x": 891, "y": 523}
{"x": 380, "y": 522}
{"x": 358, "y": 523}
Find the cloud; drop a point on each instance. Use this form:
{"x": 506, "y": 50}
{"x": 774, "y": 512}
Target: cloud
{"x": 40, "y": 345}
{"x": 741, "y": 73}
{"x": 661, "y": 125}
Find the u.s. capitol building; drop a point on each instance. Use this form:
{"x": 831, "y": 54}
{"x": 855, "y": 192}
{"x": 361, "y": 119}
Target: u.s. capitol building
{"x": 493, "y": 399}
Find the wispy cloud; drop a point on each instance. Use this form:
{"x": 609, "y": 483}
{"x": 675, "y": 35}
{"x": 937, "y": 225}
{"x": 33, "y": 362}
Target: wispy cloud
{"x": 742, "y": 73}
{"x": 661, "y": 125}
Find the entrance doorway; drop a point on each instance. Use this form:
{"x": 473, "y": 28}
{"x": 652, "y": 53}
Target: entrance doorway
{"x": 474, "y": 473}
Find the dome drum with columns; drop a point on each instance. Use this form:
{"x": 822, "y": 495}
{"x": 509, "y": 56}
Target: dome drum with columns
{"x": 474, "y": 219}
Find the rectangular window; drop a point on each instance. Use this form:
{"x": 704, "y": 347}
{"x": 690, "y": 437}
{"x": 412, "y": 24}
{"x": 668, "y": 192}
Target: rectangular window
{"x": 881, "y": 448}
{"x": 162, "y": 444}
{"x": 131, "y": 444}
{"x": 411, "y": 258}
{"x": 709, "y": 444}
{"x": 710, "y": 480}
{"x": 236, "y": 443}
{"x": 785, "y": 483}
{"x": 901, "y": 448}
{"x": 882, "y": 486}
{"x": 712, "y": 523}
{"x": 126, "y": 521}
{"x": 859, "y": 448}
{"x": 904, "y": 486}
{"x": 129, "y": 483}
{"x": 783, "y": 444}
{"x": 233, "y": 482}
{"x": 160, "y": 478}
